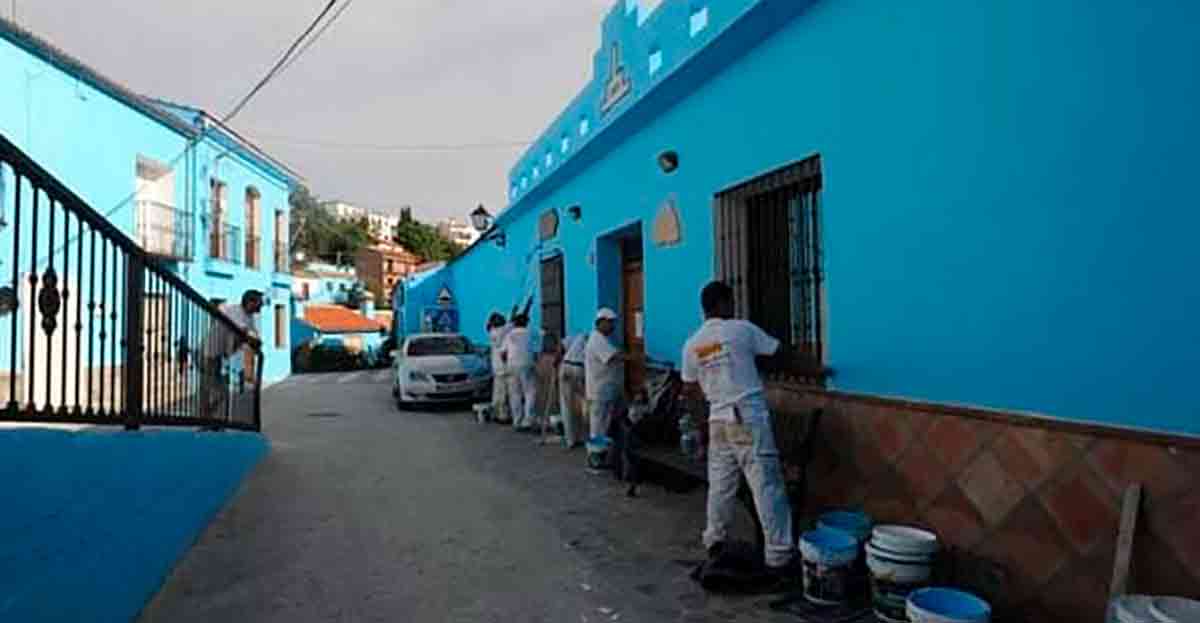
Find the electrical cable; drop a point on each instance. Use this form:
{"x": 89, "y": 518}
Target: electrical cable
{"x": 278, "y": 64}
{"x": 397, "y": 147}
{"x": 315, "y": 37}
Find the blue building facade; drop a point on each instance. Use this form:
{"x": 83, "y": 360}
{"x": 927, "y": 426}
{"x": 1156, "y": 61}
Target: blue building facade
{"x": 991, "y": 201}
{"x": 190, "y": 190}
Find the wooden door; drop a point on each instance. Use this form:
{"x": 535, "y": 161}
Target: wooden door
{"x": 633, "y": 298}
{"x": 554, "y": 313}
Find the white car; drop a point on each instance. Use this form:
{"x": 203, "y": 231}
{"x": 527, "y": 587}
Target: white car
{"x": 439, "y": 368}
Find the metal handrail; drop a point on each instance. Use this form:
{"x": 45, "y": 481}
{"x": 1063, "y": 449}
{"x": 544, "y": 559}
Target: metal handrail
{"x": 148, "y": 320}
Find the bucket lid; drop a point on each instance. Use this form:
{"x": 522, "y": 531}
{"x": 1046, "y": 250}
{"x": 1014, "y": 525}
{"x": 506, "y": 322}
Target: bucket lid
{"x": 948, "y": 604}
{"x": 854, "y": 522}
{"x": 1133, "y": 609}
{"x": 1174, "y": 610}
{"x": 904, "y": 539}
{"x": 875, "y": 551}
{"x": 829, "y": 539}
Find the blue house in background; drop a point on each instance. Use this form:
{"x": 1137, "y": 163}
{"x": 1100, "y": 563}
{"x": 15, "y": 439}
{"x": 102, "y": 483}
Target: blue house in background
{"x": 189, "y": 189}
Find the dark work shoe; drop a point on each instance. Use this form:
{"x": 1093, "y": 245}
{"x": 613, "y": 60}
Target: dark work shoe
{"x": 715, "y": 550}
{"x": 792, "y": 570}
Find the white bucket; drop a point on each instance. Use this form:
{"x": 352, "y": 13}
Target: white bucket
{"x": 947, "y": 605}
{"x": 905, "y": 539}
{"x": 1175, "y": 610}
{"x": 895, "y": 575}
{"x": 1131, "y": 609}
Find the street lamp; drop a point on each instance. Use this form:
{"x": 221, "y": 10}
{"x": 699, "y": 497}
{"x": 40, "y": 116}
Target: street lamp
{"x": 482, "y": 221}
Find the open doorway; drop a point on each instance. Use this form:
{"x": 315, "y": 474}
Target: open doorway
{"x": 620, "y": 264}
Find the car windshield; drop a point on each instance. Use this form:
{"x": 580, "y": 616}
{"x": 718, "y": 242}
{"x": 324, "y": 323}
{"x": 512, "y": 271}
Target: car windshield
{"x": 431, "y": 346}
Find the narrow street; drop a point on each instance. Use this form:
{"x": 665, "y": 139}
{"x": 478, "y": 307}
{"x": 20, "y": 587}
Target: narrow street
{"x": 379, "y": 515}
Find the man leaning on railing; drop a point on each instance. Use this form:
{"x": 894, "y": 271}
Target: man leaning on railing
{"x": 222, "y": 345}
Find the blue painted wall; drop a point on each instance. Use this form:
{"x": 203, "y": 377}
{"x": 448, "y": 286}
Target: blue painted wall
{"x": 1007, "y": 204}
{"x": 91, "y": 142}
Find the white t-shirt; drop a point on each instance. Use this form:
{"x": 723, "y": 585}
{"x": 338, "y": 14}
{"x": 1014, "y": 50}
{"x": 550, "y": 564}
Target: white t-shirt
{"x": 720, "y": 356}
{"x": 576, "y": 346}
{"x": 517, "y": 344}
{"x": 222, "y": 341}
{"x": 496, "y": 337}
{"x": 604, "y": 371}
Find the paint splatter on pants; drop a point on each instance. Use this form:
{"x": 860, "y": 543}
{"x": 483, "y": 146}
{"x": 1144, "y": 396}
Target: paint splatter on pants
{"x": 748, "y": 447}
{"x": 500, "y": 398}
{"x": 522, "y": 396}
{"x": 570, "y": 397}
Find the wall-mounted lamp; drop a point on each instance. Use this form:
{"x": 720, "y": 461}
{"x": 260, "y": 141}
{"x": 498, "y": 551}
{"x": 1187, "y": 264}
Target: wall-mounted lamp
{"x": 668, "y": 161}
{"x": 483, "y": 222}
{"x": 575, "y": 212}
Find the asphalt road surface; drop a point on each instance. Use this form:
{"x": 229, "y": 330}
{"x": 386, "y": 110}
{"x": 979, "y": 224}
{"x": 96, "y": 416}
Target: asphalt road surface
{"x": 362, "y": 513}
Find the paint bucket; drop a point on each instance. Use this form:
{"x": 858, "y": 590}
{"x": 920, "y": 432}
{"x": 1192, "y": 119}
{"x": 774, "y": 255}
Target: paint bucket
{"x": 829, "y": 557}
{"x": 1130, "y": 609}
{"x": 854, "y": 523}
{"x": 1174, "y": 610}
{"x": 905, "y": 540}
{"x": 947, "y": 605}
{"x": 894, "y": 577}
{"x": 597, "y": 451}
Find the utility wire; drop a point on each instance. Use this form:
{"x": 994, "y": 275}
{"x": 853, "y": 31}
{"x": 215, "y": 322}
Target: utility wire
{"x": 315, "y": 37}
{"x": 279, "y": 64}
{"x": 382, "y": 147}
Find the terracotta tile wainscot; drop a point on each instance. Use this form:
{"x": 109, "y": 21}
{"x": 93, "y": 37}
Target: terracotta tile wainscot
{"x": 1028, "y": 508}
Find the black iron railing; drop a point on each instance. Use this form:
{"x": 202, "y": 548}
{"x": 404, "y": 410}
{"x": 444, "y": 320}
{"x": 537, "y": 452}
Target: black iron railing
{"x": 225, "y": 241}
{"x": 164, "y": 230}
{"x": 102, "y": 333}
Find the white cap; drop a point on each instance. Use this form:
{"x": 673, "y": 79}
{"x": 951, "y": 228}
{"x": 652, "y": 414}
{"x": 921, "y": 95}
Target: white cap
{"x": 606, "y": 314}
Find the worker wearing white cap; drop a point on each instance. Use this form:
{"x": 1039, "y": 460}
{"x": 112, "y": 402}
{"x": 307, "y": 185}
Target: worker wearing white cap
{"x": 604, "y": 369}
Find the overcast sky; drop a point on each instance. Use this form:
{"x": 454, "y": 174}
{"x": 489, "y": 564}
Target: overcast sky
{"x": 388, "y": 73}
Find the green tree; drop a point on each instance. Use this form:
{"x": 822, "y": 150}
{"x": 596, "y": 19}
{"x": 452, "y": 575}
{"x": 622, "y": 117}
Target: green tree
{"x": 424, "y": 240}
{"x": 317, "y": 234}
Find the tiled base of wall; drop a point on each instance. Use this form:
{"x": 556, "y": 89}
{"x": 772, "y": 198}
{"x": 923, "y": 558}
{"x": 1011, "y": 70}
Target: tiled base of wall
{"x": 1039, "y": 508}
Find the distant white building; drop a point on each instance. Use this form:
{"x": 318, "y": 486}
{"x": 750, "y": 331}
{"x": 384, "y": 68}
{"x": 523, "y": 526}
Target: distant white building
{"x": 343, "y": 211}
{"x": 457, "y": 231}
{"x": 382, "y": 225}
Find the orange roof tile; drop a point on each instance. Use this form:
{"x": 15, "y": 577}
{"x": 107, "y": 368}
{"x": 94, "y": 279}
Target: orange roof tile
{"x": 338, "y": 319}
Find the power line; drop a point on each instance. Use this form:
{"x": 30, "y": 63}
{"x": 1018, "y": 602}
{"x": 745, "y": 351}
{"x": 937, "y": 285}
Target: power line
{"x": 410, "y": 147}
{"x": 279, "y": 64}
{"x": 315, "y": 37}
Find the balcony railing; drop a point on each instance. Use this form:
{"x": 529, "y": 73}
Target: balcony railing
{"x": 225, "y": 242}
{"x": 253, "y": 242}
{"x": 281, "y": 256}
{"x": 164, "y": 231}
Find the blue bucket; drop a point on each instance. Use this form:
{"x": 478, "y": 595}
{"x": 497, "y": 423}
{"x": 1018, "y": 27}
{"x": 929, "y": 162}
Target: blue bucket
{"x": 829, "y": 557}
{"x": 854, "y": 523}
{"x": 946, "y": 605}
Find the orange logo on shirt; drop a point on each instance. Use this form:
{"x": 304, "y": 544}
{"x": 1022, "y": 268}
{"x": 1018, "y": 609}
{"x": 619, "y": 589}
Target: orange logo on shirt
{"x": 707, "y": 351}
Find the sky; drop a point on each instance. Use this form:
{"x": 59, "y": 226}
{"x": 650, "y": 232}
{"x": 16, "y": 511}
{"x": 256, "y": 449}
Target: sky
{"x": 387, "y": 74}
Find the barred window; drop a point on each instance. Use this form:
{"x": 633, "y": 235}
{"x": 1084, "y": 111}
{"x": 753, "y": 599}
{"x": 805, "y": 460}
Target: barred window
{"x": 768, "y": 249}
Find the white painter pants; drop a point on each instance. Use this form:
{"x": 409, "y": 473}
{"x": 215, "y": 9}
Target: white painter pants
{"x": 748, "y": 447}
{"x": 522, "y": 396}
{"x": 500, "y": 398}
{"x": 570, "y": 397}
